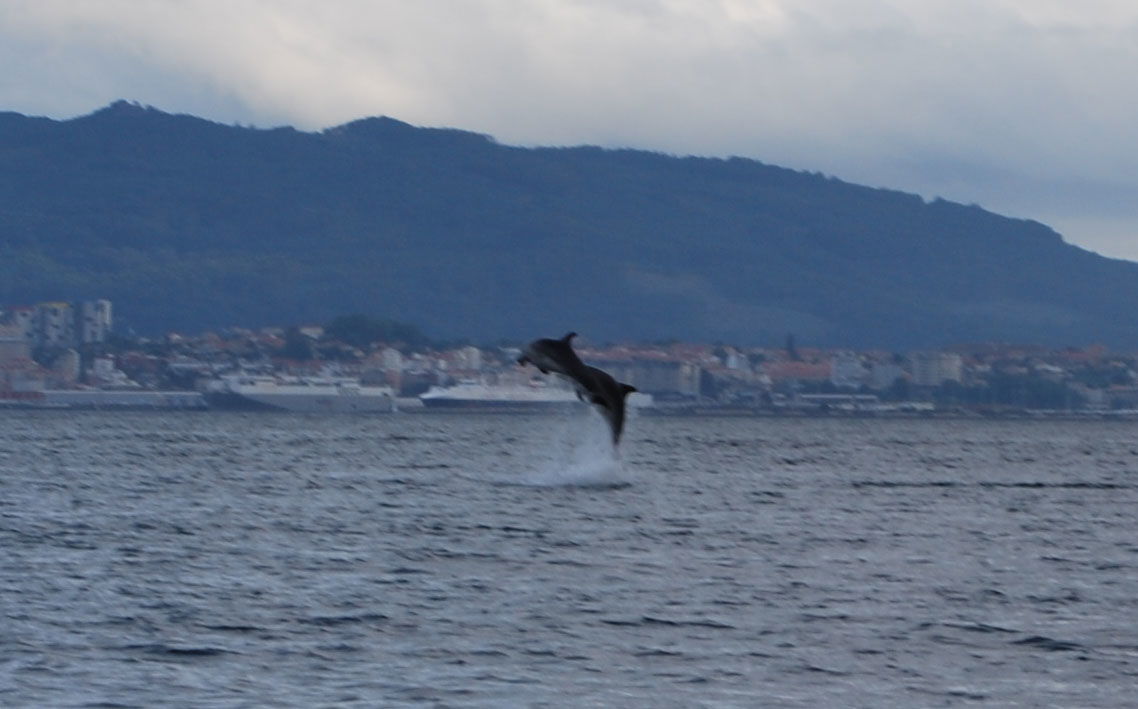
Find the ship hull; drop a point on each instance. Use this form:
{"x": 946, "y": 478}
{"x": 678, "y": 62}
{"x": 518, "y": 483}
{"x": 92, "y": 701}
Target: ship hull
{"x": 265, "y": 394}
{"x": 473, "y": 396}
{"x": 302, "y": 403}
{"x": 325, "y": 403}
{"x": 501, "y": 405}
{"x": 96, "y": 399}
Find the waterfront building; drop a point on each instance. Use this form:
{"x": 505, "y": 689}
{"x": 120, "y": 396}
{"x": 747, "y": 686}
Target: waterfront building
{"x": 22, "y": 320}
{"x": 931, "y": 369}
{"x": 882, "y": 375}
{"x": 55, "y": 324}
{"x": 58, "y": 324}
{"x": 654, "y": 375}
{"x": 65, "y": 368}
{"x": 846, "y": 370}
{"x": 13, "y": 344}
{"x": 94, "y": 321}
{"x": 469, "y": 358}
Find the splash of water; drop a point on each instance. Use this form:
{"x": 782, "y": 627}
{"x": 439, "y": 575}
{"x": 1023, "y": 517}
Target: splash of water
{"x": 579, "y": 454}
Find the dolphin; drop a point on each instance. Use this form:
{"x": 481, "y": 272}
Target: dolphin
{"x": 593, "y": 385}
{"x": 557, "y": 356}
{"x": 609, "y": 397}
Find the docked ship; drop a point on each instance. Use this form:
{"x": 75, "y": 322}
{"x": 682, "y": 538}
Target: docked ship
{"x": 302, "y": 394}
{"x": 99, "y": 399}
{"x": 536, "y": 394}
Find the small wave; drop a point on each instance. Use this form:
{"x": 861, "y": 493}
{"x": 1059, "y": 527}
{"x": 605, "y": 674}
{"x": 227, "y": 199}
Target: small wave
{"x": 1029, "y": 485}
{"x": 511, "y": 529}
{"x": 1032, "y": 485}
{"x": 568, "y": 562}
{"x": 397, "y": 481}
{"x": 406, "y": 570}
{"x": 178, "y": 650}
{"x": 905, "y": 483}
{"x": 825, "y": 670}
{"x": 1049, "y": 644}
{"x": 979, "y": 627}
{"x": 648, "y": 620}
{"x": 953, "y": 692}
{"x": 765, "y": 497}
{"x": 489, "y": 677}
{"x": 330, "y": 621}
{"x": 339, "y": 648}
{"x": 224, "y": 628}
{"x": 657, "y": 652}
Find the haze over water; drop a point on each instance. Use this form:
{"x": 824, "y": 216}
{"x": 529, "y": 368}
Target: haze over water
{"x": 248, "y": 560}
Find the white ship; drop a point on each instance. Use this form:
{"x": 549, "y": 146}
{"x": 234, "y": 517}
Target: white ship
{"x": 310, "y": 395}
{"x": 505, "y": 397}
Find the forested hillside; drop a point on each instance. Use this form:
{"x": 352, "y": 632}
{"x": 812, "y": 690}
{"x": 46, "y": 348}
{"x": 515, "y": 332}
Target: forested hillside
{"x": 190, "y": 225}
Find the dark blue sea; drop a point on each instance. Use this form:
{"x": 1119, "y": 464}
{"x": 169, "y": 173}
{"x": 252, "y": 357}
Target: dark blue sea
{"x": 252, "y": 560}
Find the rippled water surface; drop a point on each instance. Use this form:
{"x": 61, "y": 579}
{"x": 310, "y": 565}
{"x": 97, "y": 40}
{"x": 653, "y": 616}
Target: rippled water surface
{"x": 227, "y": 560}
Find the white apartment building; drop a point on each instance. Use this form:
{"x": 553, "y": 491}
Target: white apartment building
{"x": 846, "y": 370}
{"x": 60, "y": 324}
{"x": 883, "y": 374}
{"x": 931, "y": 369}
{"x": 55, "y": 324}
{"x": 13, "y": 344}
{"x": 94, "y": 321}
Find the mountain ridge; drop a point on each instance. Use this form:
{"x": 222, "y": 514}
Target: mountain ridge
{"x": 189, "y": 224}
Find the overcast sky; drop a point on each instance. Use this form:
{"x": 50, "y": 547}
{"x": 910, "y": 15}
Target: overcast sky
{"x": 1025, "y": 107}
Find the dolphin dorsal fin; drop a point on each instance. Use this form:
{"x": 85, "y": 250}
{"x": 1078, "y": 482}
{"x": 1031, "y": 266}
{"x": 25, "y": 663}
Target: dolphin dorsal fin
{"x": 568, "y": 336}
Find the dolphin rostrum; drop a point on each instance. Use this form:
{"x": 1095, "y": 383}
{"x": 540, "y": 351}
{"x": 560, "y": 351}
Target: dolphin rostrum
{"x": 594, "y": 386}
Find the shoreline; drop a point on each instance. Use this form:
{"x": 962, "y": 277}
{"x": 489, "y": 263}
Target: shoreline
{"x": 178, "y": 402}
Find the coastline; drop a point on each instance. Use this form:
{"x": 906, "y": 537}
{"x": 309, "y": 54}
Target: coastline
{"x": 191, "y": 401}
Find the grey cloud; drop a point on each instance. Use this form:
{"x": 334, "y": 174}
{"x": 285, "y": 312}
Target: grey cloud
{"x": 1028, "y": 93}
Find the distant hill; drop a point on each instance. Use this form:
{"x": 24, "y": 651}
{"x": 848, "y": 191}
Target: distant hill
{"x": 190, "y": 225}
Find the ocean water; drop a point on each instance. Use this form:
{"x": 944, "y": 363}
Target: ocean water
{"x": 244, "y": 560}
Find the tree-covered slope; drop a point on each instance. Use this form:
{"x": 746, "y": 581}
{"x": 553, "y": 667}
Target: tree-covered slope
{"x": 187, "y": 224}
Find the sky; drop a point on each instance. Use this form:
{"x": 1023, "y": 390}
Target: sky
{"x": 1024, "y": 107}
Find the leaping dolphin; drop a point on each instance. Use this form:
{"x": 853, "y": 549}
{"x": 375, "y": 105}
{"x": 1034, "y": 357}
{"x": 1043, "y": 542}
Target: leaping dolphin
{"x": 594, "y": 386}
{"x": 557, "y": 356}
{"x": 609, "y": 398}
